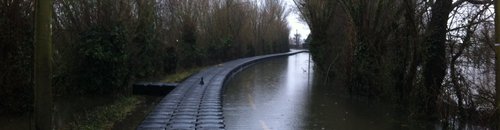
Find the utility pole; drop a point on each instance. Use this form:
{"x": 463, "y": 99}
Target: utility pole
{"x": 43, "y": 102}
{"x": 497, "y": 59}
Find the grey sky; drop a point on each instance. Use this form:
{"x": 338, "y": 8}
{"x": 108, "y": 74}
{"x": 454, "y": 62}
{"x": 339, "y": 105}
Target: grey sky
{"x": 296, "y": 25}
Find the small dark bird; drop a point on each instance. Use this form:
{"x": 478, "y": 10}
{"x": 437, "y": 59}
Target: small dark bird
{"x": 201, "y": 82}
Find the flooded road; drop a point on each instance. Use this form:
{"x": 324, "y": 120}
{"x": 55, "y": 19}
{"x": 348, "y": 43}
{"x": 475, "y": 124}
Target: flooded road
{"x": 280, "y": 94}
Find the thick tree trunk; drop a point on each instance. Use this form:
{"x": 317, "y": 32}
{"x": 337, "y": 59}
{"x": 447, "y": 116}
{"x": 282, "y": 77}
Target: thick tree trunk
{"x": 434, "y": 69}
{"x": 43, "y": 65}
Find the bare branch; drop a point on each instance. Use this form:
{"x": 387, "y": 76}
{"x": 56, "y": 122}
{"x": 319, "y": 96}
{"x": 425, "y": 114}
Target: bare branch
{"x": 459, "y": 2}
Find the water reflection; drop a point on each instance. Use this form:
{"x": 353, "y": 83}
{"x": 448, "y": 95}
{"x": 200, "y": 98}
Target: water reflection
{"x": 279, "y": 94}
{"x": 269, "y": 95}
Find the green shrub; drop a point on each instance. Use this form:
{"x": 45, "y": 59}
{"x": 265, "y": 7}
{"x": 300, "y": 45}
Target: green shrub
{"x": 103, "y": 67}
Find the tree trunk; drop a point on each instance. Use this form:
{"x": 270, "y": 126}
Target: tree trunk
{"x": 434, "y": 68}
{"x": 43, "y": 65}
{"x": 497, "y": 60}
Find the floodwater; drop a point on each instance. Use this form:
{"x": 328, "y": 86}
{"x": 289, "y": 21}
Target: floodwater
{"x": 281, "y": 94}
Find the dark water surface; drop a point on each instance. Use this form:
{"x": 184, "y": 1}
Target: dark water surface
{"x": 280, "y": 94}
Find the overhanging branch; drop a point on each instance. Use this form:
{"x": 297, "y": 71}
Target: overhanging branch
{"x": 457, "y": 3}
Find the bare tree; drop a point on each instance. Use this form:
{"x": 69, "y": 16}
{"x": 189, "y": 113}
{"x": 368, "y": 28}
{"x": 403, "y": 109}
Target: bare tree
{"x": 422, "y": 54}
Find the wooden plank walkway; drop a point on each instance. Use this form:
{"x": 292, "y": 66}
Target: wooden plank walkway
{"x": 195, "y": 106}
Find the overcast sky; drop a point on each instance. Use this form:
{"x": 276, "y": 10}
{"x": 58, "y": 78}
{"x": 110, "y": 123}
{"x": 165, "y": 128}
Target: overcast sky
{"x": 296, "y": 25}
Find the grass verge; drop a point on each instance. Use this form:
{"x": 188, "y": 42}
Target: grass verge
{"x": 180, "y": 76}
{"x": 104, "y": 117}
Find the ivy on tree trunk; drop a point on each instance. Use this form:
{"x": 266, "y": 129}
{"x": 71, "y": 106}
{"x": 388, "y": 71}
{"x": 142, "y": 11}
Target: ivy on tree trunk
{"x": 434, "y": 69}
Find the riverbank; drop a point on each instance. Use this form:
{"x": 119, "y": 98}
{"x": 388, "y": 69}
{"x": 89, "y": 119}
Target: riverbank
{"x": 137, "y": 115}
{"x": 133, "y": 117}
{"x": 97, "y": 112}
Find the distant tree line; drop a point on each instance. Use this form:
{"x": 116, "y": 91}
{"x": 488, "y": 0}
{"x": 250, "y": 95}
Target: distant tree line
{"x": 102, "y": 46}
{"x": 435, "y": 58}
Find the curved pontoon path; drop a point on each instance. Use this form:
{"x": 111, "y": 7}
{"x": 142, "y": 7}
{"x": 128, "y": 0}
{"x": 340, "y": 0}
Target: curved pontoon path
{"x": 192, "y": 105}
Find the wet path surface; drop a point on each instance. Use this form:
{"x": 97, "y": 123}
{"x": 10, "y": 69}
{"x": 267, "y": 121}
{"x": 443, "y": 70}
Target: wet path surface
{"x": 269, "y": 95}
{"x": 279, "y": 95}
